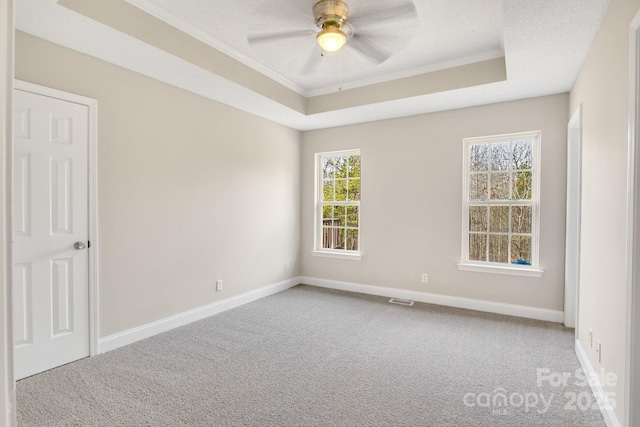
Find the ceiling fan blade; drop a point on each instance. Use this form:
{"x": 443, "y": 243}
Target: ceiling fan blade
{"x": 276, "y": 36}
{"x": 371, "y": 52}
{"x": 384, "y": 16}
{"x": 281, "y": 12}
{"x": 314, "y": 61}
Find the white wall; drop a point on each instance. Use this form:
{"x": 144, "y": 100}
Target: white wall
{"x": 190, "y": 190}
{"x": 411, "y": 208}
{"x": 602, "y": 89}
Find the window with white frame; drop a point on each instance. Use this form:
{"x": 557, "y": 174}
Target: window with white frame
{"x": 337, "y": 215}
{"x": 501, "y": 201}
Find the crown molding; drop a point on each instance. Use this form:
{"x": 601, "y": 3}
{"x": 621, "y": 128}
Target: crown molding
{"x": 202, "y": 36}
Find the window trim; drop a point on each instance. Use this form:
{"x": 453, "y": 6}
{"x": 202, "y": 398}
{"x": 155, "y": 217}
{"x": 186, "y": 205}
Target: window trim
{"x": 534, "y": 269}
{"x": 318, "y": 250}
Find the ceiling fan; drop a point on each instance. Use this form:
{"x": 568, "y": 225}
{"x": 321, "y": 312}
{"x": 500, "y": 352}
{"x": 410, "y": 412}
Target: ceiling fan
{"x": 338, "y": 28}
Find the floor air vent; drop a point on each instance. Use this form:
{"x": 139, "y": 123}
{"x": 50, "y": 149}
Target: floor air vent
{"x": 401, "y": 301}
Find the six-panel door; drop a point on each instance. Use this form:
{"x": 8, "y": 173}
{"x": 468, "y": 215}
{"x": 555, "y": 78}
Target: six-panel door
{"x": 50, "y": 214}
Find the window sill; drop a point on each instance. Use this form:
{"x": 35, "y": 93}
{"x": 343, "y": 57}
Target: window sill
{"x": 497, "y": 269}
{"x": 352, "y": 257}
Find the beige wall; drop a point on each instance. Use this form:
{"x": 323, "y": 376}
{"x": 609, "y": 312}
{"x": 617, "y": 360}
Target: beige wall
{"x": 190, "y": 190}
{"x": 411, "y": 218}
{"x": 602, "y": 89}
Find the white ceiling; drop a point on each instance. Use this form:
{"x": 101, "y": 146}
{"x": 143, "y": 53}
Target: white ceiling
{"x": 544, "y": 43}
{"x": 416, "y": 41}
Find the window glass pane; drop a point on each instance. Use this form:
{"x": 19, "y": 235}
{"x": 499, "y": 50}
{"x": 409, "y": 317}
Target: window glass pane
{"x": 339, "y": 214}
{"x": 498, "y": 248}
{"x": 522, "y": 155}
{"x": 328, "y": 167}
{"x": 327, "y": 191}
{"x": 521, "y": 219}
{"x": 501, "y": 156}
{"x": 479, "y": 160}
{"x": 500, "y": 185}
{"x": 352, "y": 239}
{"x": 478, "y": 186}
{"x": 327, "y": 213}
{"x": 353, "y": 194}
{"x": 522, "y": 185}
{"x": 341, "y": 190}
{"x": 338, "y": 238}
{"x": 477, "y": 247}
{"x": 521, "y": 249}
{"x": 352, "y": 216}
{"x": 327, "y": 235}
{"x": 341, "y": 167}
{"x": 499, "y": 219}
{"x": 354, "y": 166}
{"x": 477, "y": 218}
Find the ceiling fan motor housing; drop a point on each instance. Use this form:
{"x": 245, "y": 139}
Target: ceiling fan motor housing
{"x": 331, "y": 13}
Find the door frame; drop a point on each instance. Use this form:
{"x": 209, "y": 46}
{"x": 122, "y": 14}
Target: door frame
{"x": 574, "y": 211}
{"x": 7, "y": 383}
{"x": 632, "y": 346}
{"x": 92, "y": 176}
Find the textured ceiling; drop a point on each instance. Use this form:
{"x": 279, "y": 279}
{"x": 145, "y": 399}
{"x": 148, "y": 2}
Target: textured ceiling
{"x": 439, "y": 31}
{"x": 544, "y": 43}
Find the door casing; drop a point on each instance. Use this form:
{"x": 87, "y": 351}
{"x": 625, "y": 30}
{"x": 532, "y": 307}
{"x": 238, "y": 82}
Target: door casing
{"x": 92, "y": 174}
{"x": 632, "y": 333}
{"x": 7, "y": 383}
{"x": 574, "y": 197}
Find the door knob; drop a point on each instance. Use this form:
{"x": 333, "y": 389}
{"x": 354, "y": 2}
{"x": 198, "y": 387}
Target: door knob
{"x": 80, "y": 246}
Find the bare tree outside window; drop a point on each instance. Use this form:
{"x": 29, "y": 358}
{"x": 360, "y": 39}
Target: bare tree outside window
{"x": 500, "y": 201}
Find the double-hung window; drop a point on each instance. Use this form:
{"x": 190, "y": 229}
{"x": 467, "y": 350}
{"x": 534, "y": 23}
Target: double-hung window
{"x": 501, "y": 201}
{"x": 337, "y": 216}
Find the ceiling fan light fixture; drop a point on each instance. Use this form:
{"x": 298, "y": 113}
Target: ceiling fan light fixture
{"x": 331, "y": 38}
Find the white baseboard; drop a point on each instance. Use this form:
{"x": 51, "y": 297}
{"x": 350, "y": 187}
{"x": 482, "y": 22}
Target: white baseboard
{"x": 605, "y": 404}
{"x": 130, "y": 336}
{"x": 150, "y": 329}
{"x": 450, "y": 301}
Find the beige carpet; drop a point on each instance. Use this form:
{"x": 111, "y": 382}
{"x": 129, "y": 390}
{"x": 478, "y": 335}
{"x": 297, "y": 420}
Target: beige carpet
{"x": 316, "y": 357}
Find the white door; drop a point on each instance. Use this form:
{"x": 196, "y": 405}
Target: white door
{"x": 50, "y": 233}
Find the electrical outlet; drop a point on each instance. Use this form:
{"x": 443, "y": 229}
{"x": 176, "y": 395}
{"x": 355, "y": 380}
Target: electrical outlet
{"x": 218, "y": 285}
{"x": 286, "y": 267}
{"x": 599, "y": 351}
{"x": 425, "y": 278}
{"x": 590, "y": 338}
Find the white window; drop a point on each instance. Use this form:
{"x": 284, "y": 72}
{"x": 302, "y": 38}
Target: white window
{"x": 501, "y": 204}
{"x": 337, "y": 217}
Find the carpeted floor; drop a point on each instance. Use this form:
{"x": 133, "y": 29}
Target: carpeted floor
{"x": 317, "y": 357}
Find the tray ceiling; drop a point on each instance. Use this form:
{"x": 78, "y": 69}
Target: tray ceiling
{"x": 446, "y": 55}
